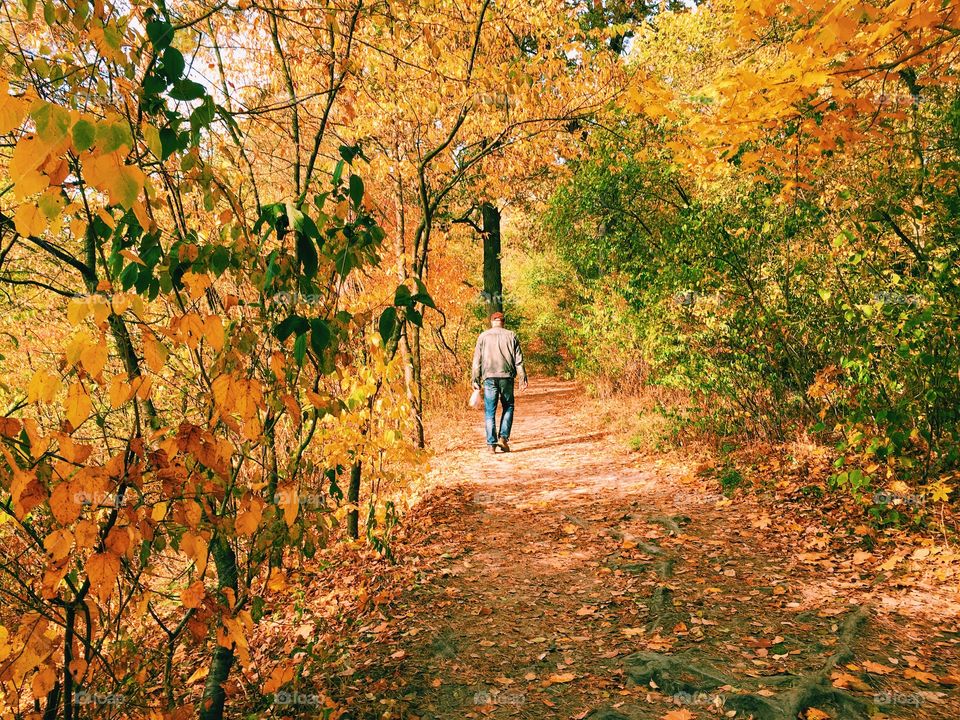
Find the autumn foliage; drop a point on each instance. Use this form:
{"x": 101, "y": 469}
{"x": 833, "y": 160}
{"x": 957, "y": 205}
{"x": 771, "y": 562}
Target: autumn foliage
{"x": 234, "y": 235}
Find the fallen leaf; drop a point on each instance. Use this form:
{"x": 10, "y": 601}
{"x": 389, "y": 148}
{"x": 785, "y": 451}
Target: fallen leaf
{"x": 681, "y": 714}
{"x": 924, "y": 677}
{"x": 876, "y": 668}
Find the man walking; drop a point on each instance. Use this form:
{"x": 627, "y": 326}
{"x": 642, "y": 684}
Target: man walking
{"x": 497, "y": 360}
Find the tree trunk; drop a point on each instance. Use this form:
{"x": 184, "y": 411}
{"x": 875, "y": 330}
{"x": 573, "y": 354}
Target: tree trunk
{"x": 492, "y": 280}
{"x": 214, "y": 695}
{"x": 353, "y": 497}
{"x": 417, "y": 395}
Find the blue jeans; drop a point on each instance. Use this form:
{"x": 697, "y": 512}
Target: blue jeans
{"x": 498, "y": 389}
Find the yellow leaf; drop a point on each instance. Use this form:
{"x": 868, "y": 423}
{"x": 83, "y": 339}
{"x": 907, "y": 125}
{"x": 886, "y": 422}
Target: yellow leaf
{"x": 78, "y": 405}
{"x": 94, "y": 358}
{"x": 43, "y": 386}
{"x": 213, "y": 332}
{"x": 120, "y": 391}
{"x": 140, "y": 210}
{"x": 29, "y": 221}
{"x": 80, "y": 341}
{"x": 101, "y": 308}
{"x": 159, "y": 511}
{"x": 110, "y": 174}
{"x": 13, "y": 110}
{"x": 191, "y": 329}
{"x": 29, "y": 155}
{"x": 197, "y": 283}
{"x": 561, "y": 678}
{"x": 153, "y": 352}
{"x": 132, "y": 257}
{"x": 5, "y": 647}
{"x": 107, "y": 219}
{"x": 29, "y": 184}
{"x": 120, "y": 303}
{"x": 199, "y": 674}
{"x": 290, "y": 503}
{"x": 940, "y": 492}
{"x": 77, "y": 310}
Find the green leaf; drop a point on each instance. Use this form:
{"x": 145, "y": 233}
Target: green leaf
{"x": 52, "y": 121}
{"x": 187, "y": 90}
{"x": 349, "y": 152}
{"x": 51, "y": 205}
{"x": 307, "y": 255}
{"x": 293, "y": 324}
{"x": 300, "y": 349}
{"x": 356, "y": 190}
{"x": 160, "y": 33}
{"x": 219, "y": 260}
{"x": 422, "y": 296}
{"x": 168, "y": 142}
{"x": 402, "y": 297}
{"x": 173, "y": 64}
{"x": 127, "y": 185}
{"x": 113, "y": 136}
{"x": 84, "y": 134}
{"x": 388, "y": 323}
{"x": 151, "y": 136}
{"x": 204, "y": 113}
{"x": 319, "y": 335}
{"x": 129, "y": 275}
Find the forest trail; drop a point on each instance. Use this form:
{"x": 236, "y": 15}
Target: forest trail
{"x": 560, "y": 579}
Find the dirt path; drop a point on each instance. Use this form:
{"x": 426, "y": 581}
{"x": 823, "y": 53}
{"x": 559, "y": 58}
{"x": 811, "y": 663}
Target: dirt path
{"x": 571, "y": 579}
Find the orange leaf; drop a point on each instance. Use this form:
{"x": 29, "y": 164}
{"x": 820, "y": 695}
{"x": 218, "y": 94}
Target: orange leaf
{"x": 278, "y": 678}
{"x": 192, "y": 596}
{"x": 102, "y": 569}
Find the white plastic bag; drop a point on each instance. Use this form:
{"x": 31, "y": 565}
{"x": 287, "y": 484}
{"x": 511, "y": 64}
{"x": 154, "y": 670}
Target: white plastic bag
{"x": 475, "y": 398}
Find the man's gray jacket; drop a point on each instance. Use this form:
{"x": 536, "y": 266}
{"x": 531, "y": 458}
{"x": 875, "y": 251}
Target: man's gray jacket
{"x": 497, "y": 355}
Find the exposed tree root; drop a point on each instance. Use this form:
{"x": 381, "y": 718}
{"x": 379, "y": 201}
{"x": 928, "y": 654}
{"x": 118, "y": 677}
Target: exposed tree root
{"x": 679, "y": 673}
{"x": 664, "y": 568}
{"x": 671, "y": 523}
{"x": 607, "y": 715}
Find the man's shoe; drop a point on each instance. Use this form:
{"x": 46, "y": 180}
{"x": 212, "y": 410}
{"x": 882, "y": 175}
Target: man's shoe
{"x": 493, "y": 449}
{"x": 504, "y": 445}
